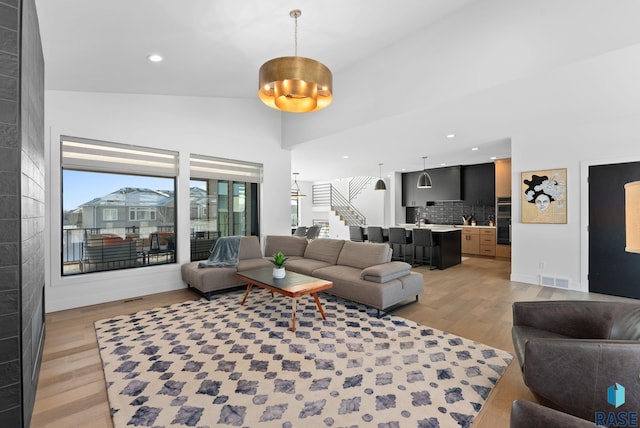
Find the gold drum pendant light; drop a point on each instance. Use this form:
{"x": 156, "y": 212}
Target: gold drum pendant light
{"x": 294, "y": 83}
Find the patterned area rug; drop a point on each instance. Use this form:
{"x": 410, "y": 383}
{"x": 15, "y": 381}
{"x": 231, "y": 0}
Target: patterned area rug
{"x": 205, "y": 364}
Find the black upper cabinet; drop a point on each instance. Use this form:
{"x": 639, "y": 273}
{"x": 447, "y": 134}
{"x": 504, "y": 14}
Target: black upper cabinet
{"x": 474, "y": 184}
{"x": 478, "y": 184}
{"x": 446, "y": 186}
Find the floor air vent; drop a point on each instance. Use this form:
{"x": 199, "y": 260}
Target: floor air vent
{"x": 552, "y": 281}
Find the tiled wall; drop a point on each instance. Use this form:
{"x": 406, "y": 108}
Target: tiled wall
{"x": 21, "y": 210}
{"x": 451, "y": 212}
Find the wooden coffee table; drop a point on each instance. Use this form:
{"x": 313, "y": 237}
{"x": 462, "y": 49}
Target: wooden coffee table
{"x": 292, "y": 285}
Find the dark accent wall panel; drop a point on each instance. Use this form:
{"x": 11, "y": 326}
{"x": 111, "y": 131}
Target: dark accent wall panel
{"x": 612, "y": 270}
{"x": 22, "y": 209}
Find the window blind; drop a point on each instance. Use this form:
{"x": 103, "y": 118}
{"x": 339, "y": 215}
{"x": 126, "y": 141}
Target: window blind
{"x": 84, "y": 154}
{"x": 205, "y": 167}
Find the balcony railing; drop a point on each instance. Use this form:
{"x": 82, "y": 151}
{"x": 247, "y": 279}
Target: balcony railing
{"x": 90, "y": 249}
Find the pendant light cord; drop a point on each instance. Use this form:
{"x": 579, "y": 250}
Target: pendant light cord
{"x": 295, "y": 14}
{"x": 295, "y": 35}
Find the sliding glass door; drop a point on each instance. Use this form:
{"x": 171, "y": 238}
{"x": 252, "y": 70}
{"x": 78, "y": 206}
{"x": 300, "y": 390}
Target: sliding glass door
{"x": 232, "y": 206}
{"x": 224, "y": 201}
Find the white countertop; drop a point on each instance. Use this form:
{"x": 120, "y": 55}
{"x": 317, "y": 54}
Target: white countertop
{"x": 434, "y": 227}
{"x": 480, "y": 227}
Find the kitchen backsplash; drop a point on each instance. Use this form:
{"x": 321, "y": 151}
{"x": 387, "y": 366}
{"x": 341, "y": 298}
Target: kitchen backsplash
{"x": 451, "y": 212}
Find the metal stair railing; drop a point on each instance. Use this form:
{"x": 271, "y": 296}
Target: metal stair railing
{"x": 357, "y": 185}
{"x": 326, "y": 194}
{"x": 321, "y": 194}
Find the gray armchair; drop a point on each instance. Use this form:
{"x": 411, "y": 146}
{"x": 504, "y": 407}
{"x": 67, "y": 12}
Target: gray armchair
{"x": 571, "y": 352}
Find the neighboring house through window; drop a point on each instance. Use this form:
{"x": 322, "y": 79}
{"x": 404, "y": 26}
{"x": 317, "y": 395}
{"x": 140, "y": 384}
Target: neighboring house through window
{"x": 117, "y": 199}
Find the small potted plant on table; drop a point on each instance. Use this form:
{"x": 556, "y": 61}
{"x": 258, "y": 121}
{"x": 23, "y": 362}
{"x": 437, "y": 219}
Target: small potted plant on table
{"x": 278, "y": 261}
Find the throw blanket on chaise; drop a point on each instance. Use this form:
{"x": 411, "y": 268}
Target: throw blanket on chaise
{"x": 224, "y": 254}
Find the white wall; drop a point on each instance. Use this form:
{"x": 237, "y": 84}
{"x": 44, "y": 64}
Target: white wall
{"x": 574, "y": 145}
{"x": 227, "y": 128}
{"x": 306, "y": 212}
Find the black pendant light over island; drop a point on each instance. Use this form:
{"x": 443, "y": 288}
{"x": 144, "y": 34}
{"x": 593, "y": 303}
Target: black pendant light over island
{"x": 424, "y": 181}
{"x": 380, "y": 183}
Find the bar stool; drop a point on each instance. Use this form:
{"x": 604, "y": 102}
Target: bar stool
{"x": 356, "y": 233}
{"x": 423, "y": 238}
{"x": 300, "y": 231}
{"x": 313, "y": 232}
{"x": 374, "y": 234}
{"x": 398, "y": 238}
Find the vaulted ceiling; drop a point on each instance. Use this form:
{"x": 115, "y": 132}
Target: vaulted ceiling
{"x": 406, "y": 73}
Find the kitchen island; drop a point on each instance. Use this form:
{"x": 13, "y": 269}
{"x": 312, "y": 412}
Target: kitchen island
{"x": 448, "y": 239}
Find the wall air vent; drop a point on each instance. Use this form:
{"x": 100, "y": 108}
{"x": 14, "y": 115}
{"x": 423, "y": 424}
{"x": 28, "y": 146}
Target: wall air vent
{"x": 552, "y": 281}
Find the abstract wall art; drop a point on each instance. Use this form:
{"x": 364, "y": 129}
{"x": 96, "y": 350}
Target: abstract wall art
{"x": 544, "y": 196}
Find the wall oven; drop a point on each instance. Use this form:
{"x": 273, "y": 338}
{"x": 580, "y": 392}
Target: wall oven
{"x": 503, "y": 221}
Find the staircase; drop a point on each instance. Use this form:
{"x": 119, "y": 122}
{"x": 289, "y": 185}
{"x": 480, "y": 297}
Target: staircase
{"x": 327, "y": 195}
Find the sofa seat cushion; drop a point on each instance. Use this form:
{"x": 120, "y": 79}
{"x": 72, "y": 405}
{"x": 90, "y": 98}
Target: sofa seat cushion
{"x": 253, "y": 264}
{"x": 348, "y": 285}
{"x": 522, "y": 333}
{"x": 304, "y": 266}
{"x": 289, "y": 245}
{"x": 385, "y": 272}
{"x": 362, "y": 255}
{"x": 325, "y": 250}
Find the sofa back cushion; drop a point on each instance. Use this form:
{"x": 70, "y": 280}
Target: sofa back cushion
{"x": 289, "y": 245}
{"x": 249, "y": 248}
{"x": 363, "y": 254}
{"x": 326, "y": 250}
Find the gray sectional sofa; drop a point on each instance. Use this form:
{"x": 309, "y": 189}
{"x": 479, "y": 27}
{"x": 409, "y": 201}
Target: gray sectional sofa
{"x": 361, "y": 272}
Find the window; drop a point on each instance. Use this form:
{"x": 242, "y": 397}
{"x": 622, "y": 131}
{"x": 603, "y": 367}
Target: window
{"x": 110, "y": 214}
{"x": 137, "y": 214}
{"x": 224, "y": 201}
{"x": 117, "y": 200}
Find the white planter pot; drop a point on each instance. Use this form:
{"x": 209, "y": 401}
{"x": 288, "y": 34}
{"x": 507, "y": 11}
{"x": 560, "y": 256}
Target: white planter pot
{"x": 279, "y": 272}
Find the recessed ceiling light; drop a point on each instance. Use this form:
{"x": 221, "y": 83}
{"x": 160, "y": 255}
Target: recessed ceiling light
{"x": 403, "y": 169}
{"x": 154, "y": 58}
{"x": 451, "y": 136}
{"x": 493, "y": 158}
{"x": 345, "y": 157}
{"x": 443, "y": 164}
{"x": 474, "y": 148}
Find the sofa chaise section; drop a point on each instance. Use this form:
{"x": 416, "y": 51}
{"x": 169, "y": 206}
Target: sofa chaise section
{"x": 208, "y": 280}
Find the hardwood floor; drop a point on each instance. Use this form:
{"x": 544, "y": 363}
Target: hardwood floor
{"x": 471, "y": 300}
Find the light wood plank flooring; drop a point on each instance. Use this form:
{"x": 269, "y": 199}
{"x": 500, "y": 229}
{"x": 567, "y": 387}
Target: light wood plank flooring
{"x": 471, "y": 300}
